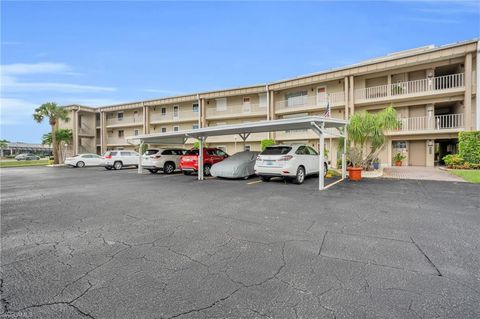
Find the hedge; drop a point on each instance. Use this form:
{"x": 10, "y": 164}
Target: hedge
{"x": 469, "y": 146}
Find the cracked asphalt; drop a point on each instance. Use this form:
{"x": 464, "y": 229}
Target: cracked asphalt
{"x": 91, "y": 243}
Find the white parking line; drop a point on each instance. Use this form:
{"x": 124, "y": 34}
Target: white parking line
{"x": 254, "y": 182}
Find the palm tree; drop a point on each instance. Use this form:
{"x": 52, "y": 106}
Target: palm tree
{"x": 368, "y": 129}
{"x": 54, "y": 114}
{"x": 61, "y": 135}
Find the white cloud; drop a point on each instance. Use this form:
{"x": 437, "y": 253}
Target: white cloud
{"x": 15, "y": 111}
{"x": 10, "y": 81}
{"x": 34, "y": 68}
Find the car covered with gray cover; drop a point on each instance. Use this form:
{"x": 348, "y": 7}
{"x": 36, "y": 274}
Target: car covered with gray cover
{"x": 239, "y": 165}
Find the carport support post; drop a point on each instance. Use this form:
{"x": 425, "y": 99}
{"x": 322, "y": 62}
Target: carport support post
{"x": 140, "y": 169}
{"x": 201, "y": 139}
{"x": 321, "y": 168}
{"x": 344, "y": 153}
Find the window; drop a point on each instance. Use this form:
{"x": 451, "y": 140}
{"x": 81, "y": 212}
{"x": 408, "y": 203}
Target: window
{"x": 302, "y": 150}
{"x": 167, "y": 152}
{"x": 277, "y": 150}
{"x": 195, "y": 107}
{"x": 246, "y": 100}
{"x": 247, "y": 148}
{"x": 262, "y": 97}
{"x": 175, "y": 111}
{"x": 120, "y": 116}
{"x": 164, "y": 129}
{"x": 192, "y": 152}
{"x": 120, "y": 134}
{"x": 296, "y": 98}
{"x": 311, "y": 151}
{"x": 399, "y": 144}
{"x": 163, "y": 111}
{"x": 220, "y": 152}
{"x": 195, "y": 126}
{"x": 221, "y": 104}
{"x": 125, "y": 154}
{"x": 175, "y": 128}
{"x": 247, "y": 106}
{"x": 135, "y": 132}
{"x": 151, "y": 152}
{"x": 223, "y": 148}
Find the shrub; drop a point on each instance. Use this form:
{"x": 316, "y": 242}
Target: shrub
{"x": 469, "y": 146}
{"x": 266, "y": 143}
{"x": 453, "y": 159}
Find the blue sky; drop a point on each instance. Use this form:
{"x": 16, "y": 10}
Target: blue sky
{"x": 101, "y": 53}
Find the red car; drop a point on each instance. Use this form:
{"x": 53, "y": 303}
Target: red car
{"x": 189, "y": 161}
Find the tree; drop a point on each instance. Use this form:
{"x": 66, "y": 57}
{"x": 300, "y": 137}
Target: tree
{"x": 369, "y": 129}
{"x": 4, "y": 143}
{"x": 61, "y": 135}
{"x": 54, "y": 114}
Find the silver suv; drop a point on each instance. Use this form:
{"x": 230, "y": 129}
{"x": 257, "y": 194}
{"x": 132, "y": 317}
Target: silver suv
{"x": 163, "y": 159}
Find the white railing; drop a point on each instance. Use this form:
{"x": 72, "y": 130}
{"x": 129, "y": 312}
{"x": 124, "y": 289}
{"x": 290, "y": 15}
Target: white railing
{"x": 127, "y": 120}
{"x": 334, "y": 98}
{"x": 438, "y": 83}
{"x": 236, "y": 109}
{"x": 425, "y": 123}
{"x": 173, "y": 116}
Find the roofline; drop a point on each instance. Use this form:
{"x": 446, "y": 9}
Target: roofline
{"x": 389, "y": 57}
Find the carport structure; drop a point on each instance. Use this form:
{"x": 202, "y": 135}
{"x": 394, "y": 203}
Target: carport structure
{"x": 322, "y": 126}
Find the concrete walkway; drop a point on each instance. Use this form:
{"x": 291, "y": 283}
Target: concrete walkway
{"x": 420, "y": 173}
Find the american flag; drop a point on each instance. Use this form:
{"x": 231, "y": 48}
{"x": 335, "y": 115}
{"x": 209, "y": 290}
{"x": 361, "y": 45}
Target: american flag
{"x": 327, "y": 111}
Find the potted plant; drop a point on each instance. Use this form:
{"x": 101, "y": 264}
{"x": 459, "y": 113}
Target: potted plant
{"x": 354, "y": 155}
{"x": 376, "y": 163}
{"x": 398, "y": 158}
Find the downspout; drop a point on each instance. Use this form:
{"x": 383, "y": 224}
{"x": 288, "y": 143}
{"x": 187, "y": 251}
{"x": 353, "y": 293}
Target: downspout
{"x": 477, "y": 102}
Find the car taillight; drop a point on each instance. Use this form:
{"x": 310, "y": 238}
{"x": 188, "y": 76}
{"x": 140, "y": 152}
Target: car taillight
{"x": 285, "y": 158}
{"x": 259, "y": 158}
{"x": 108, "y": 156}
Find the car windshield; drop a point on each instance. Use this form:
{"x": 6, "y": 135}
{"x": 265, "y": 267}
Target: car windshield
{"x": 151, "y": 152}
{"x": 276, "y": 150}
{"x": 191, "y": 152}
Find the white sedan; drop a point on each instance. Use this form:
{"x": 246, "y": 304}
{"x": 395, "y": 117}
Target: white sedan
{"x": 82, "y": 160}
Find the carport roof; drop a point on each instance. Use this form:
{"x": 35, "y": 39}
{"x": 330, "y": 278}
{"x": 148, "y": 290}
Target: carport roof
{"x": 298, "y": 123}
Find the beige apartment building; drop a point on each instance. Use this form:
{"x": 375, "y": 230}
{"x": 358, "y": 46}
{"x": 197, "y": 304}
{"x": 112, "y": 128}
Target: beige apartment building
{"x": 432, "y": 88}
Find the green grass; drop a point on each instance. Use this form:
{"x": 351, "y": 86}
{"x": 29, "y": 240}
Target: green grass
{"x": 15, "y": 163}
{"x": 472, "y": 176}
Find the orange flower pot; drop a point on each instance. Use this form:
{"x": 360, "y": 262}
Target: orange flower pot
{"x": 354, "y": 173}
{"x": 398, "y": 163}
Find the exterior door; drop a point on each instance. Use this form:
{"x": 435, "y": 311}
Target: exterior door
{"x": 322, "y": 96}
{"x": 417, "y": 153}
{"x": 175, "y": 112}
{"x": 247, "y": 106}
{"x": 135, "y": 117}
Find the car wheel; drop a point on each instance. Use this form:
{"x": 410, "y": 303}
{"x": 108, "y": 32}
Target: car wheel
{"x": 187, "y": 173}
{"x": 108, "y": 168}
{"x": 206, "y": 170}
{"x": 168, "y": 168}
{"x": 265, "y": 178}
{"x": 153, "y": 171}
{"x": 80, "y": 164}
{"x": 300, "y": 177}
{"x": 117, "y": 165}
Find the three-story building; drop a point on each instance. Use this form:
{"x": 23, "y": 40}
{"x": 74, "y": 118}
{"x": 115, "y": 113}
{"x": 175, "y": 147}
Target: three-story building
{"x": 433, "y": 90}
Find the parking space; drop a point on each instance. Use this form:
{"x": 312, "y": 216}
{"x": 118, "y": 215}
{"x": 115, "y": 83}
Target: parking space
{"x": 94, "y": 243}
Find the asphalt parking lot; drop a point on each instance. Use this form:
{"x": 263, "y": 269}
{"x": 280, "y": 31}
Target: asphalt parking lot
{"x": 91, "y": 243}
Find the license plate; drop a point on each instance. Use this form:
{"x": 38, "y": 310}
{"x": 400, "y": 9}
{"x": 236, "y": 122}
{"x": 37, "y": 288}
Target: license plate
{"x": 268, "y": 163}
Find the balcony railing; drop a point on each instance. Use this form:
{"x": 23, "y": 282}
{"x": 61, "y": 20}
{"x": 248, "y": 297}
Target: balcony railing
{"x": 116, "y": 140}
{"x": 236, "y": 109}
{"x": 173, "y": 116}
{"x": 334, "y": 98}
{"x": 430, "y": 123}
{"x": 435, "y": 84}
{"x": 126, "y": 120}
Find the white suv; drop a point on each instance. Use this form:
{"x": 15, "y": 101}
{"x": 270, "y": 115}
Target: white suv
{"x": 288, "y": 161}
{"x": 120, "y": 158}
{"x": 164, "y": 159}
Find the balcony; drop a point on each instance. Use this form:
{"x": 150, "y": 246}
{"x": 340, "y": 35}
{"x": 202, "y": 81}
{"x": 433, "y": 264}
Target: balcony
{"x": 236, "y": 110}
{"x": 306, "y": 103}
{"x": 180, "y": 116}
{"x": 421, "y": 87}
{"x": 125, "y": 121}
{"x": 116, "y": 141}
{"x": 429, "y": 124}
